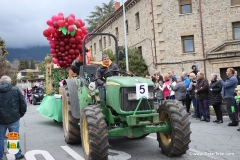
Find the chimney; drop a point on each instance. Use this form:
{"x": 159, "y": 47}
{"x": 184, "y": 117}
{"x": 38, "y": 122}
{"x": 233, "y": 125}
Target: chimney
{"x": 117, "y": 5}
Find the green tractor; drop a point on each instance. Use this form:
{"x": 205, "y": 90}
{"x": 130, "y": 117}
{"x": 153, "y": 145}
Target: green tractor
{"x": 124, "y": 107}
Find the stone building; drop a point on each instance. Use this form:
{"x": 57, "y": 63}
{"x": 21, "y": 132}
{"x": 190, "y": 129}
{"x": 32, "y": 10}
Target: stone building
{"x": 174, "y": 34}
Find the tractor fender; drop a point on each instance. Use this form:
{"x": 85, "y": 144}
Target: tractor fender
{"x": 73, "y": 87}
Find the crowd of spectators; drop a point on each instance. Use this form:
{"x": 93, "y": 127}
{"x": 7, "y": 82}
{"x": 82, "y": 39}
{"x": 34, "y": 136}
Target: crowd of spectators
{"x": 194, "y": 89}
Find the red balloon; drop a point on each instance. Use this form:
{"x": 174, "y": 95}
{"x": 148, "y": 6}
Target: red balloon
{"x": 71, "y": 51}
{"x": 54, "y": 55}
{"x": 78, "y": 38}
{"x": 79, "y": 47}
{"x": 62, "y": 44}
{"x": 51, "y": 29}
{"x": 52, "y": 46}
{"x": 70, "y": 20}
{"x": 60, "y": 17}
{"x": 77, "y": 51}
{"x": 72, "y": 15}
{"x": 62, "y": 49}
{"x": 67, "y": 48}
{"x": 52, "y": 51}
{"x": 49, "y": 38}
{"x": 73, "y": 56}
{"x": 46, "y": 33}
{"x": 69, "y": 60}
{"x": 54, "y": 18}
{"x": 79, "y": 32}
{"x": 74, "y": 46}
{"x": 72, "y": 40}
{"x": 63, "y": 55}
{"x": 55, "y": 61}
{"x": 77, "y": 23}
{"x": 66, "y": 40}
{"x": 59, "y": 54}
{"x": 49, "y": 22}
{"x": 60, "y": 23}
{"x": 66, "y": 58}
{"x": 60, "y": 13}
{"x": 71, "y": 28}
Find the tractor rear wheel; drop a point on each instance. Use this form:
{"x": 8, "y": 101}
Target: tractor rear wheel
{"x": 176, "y": 143}
{"x": 71, "y": 127}
{"x": 94, "y": 133}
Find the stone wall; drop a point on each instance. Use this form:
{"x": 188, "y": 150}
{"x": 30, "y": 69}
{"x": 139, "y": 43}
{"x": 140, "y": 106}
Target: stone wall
{"x": 169, "y": 27}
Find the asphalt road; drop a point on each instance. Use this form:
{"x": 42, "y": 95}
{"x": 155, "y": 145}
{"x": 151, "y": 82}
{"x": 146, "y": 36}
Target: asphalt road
{"x": 42, "y": 139}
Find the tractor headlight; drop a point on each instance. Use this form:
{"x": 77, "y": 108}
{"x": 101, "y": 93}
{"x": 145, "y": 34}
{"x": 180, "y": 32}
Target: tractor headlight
{"x": 133, "y": 96}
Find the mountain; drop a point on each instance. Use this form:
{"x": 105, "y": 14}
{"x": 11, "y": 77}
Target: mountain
{"x": 37, "y": 53}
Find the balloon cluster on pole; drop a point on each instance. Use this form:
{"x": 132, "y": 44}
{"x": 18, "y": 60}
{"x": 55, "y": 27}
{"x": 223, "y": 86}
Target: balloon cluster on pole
{"x": 65, "y": 37}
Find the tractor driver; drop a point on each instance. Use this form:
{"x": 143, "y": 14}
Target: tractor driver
{"x": 104, "y": 70}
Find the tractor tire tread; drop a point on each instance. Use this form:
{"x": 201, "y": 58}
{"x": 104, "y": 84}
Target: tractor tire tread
{"x": 72, "y": 134}
{"x": 97, "y": 133}
{"x": 180, "y": 128}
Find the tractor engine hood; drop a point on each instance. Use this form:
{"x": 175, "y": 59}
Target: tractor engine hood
{"x": 127, "y": 81}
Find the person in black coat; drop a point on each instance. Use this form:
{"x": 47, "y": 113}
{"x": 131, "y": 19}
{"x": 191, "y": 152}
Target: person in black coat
{"x": 215, "y": 97}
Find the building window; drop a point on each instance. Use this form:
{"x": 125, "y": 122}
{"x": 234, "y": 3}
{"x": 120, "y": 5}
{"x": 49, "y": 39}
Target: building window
{"x": 185, "y": 6}
{"x": 236, "y": 30}
{"x": 140, "y": 50}
{"x": 109, "y": 40}
{"x": 137, "y": 20}
{"x": 100, "y": 44}
{"x": 188, "y": 44}
{"x": 91, "y": 50}
{"x": 94, "y": 47}
{"x": 104, "y": 42}
{"x": 235, "y": 2}
{"x": 127, "y": 26}
{"x": 117, "y": 33}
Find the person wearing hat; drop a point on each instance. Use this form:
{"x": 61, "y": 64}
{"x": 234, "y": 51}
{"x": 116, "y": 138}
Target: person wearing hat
{"x": 106, "y": 67}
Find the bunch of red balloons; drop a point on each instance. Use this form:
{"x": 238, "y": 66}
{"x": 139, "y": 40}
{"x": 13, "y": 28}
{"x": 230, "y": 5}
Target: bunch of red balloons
{"x": 65, "y": 37}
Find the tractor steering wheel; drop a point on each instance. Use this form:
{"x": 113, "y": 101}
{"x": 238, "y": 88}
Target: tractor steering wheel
{"x": 110, "y": 73}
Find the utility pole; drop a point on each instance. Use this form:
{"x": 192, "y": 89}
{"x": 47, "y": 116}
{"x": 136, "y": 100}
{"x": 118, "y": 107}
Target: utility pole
{"x": 125, "y": 36}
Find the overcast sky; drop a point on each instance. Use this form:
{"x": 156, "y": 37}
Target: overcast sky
{"x": 22, "y": 21}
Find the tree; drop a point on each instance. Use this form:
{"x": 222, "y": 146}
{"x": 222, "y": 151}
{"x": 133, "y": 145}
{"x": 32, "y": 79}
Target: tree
{"x": 14, "y": 65}
{"x": 41, "y": 67}
{"x": 4, "y": 66}
{"x": 23, "y": 64}
{"x": 100, "y": 14}
{"x": 137, "y": 64}
{"x": 32, "y": 65}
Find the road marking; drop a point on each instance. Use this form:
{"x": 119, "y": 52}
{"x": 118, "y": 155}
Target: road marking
{"x": 152, "y": 137}
{"x": 72, "y": 153}
{"x": 190, "y": 149}
{"x": 10, "y": 157}
{"x": 121, "y": 155}
{"x": 30, "y": 155}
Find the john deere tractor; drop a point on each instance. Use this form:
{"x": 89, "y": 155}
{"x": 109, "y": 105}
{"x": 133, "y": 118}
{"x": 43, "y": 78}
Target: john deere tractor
{"x": 124, "y": 107}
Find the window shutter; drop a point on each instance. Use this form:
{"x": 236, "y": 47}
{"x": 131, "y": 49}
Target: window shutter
{"x": 184, "y": 2}
{"x": 235, "y": 2}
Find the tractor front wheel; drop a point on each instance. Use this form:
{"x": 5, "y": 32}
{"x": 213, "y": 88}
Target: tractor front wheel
{"x": 94, "y": 133}
{"x": 71, "y": 127}
{"x": 176, "y": 143}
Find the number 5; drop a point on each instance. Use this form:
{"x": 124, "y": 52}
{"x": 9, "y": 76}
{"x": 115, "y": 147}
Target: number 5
{"x": 142, "y": 89}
